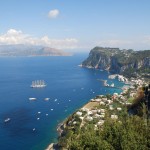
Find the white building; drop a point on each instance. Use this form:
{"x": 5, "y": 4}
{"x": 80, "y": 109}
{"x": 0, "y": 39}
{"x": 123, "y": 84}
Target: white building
{"x": 79, "y": 113}
{"x": 102, "y": 103}
{"x": 88, "y": 118}
{"x": 119, "y": 109}
{"x": 100, "y": 123}
{"x": 114, "y": 117}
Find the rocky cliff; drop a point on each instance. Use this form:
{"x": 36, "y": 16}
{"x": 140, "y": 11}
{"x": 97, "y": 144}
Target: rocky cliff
{"x": 118, "y": 61}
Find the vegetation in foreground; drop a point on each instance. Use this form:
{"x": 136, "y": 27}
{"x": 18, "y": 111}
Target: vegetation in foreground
{"x": 129, "y": 132}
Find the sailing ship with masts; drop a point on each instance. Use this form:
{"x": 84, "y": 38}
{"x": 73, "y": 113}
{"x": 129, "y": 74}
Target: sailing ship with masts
{"x": 38, "y": 84}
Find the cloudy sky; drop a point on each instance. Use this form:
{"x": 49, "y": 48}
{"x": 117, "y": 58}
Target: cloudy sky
{"x": 76, "y": 24}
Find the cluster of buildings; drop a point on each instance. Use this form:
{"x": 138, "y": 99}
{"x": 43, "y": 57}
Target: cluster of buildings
{"x": 107, "y": 106}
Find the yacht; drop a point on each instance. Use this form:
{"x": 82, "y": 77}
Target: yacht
{"x": 32, "y": 99}
{"x": 7, "y": 120}
{"x": 112, "y": 85}
{"x": 46, "y": 99}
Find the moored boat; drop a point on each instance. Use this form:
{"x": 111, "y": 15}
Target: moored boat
{"x": 32, "y": 98}
{"x": 7, "y": 120}
{"x": 112, "y": 85}
{"x": 47, "y": 99}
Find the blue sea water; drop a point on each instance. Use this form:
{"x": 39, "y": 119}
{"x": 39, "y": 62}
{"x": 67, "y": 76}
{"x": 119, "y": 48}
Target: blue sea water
{"x": 69, "y": 87}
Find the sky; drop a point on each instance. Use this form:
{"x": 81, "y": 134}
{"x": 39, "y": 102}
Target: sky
{"x": 76, "y": 24}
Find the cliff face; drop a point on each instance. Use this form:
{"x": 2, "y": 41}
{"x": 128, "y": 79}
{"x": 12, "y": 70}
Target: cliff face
{"x": 118, "y": 61}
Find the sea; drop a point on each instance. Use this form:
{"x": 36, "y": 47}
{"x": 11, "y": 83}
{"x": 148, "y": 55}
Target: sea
{"x": 33, "y": 124}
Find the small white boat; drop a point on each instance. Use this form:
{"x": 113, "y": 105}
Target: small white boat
{"x": 112, "y": 85}
{"x": 7, "y": 120}
{"x": 33, "y": 129}
{"x": 39, "y": 112}
{"x": 32, "y": 98}
{"x": 52, "y": 109}
{"x": 46, "y": 114}
{"x": 47, "y": 99}
{"x": 38, "y": 118}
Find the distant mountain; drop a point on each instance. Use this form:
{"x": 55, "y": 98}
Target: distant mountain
{"x": 29, "y": 50}
{"x": 119, "y": 61}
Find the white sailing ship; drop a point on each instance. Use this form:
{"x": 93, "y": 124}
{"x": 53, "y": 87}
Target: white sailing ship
{"x": 38, "y": 84}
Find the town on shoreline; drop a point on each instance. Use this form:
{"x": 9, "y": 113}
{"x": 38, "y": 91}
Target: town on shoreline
{"x": 101, "y": 107}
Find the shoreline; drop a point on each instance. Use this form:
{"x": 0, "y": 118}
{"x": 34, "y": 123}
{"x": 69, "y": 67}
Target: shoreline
{"x": 90, "y": 105}
{"x": 61, "y": 126}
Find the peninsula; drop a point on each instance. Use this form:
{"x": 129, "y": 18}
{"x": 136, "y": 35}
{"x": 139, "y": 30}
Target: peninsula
{"x": 30, "y": 50}
{"x": 126, "y": 62}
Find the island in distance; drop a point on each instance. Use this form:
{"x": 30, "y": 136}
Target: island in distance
{"x": 29, "y": 50}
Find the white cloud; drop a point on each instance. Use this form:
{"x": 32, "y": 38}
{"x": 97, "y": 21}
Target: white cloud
{"x": 13, "y": 36}
{"x": 13, "y": 32}
{"x": 53, "y": 13}
{"x": 68, "y": 43}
